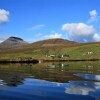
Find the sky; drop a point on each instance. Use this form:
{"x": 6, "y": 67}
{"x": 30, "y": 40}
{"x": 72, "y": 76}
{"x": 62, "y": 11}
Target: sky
{"x": 34, "y": 20}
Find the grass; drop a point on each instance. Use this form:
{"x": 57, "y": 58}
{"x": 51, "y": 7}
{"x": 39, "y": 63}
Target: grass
{"x": 81, "y": 52}
{"x": 78, "y": 52}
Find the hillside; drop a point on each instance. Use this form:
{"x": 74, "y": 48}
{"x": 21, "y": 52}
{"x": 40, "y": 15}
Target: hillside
{"x": 54, "y": 42}
{"x": 86, "y": 51}
{"x": 12, "y": 42}
{"x": 40, "y": 45}
{"x": 39, "y": 50}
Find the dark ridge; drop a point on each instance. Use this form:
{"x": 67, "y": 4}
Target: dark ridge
{"x": 34, "y": 61}
{"x": 16, "y": 38}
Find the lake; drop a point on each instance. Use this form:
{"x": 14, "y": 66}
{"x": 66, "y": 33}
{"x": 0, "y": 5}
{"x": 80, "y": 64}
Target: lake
{"x": 50, "y": 81}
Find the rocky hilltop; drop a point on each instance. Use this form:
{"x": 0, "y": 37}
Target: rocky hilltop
{"x": 12, "y": 42}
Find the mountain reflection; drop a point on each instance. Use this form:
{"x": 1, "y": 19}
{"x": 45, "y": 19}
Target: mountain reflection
{"x": 15, "y": 80}
{"x": 50, "y": 80}
{"x": 11, "y": 79}
{"x": 14, "y": 74}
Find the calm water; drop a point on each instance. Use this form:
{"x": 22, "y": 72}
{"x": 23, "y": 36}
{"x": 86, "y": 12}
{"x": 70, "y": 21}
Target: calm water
{"x": 50, "y": 81}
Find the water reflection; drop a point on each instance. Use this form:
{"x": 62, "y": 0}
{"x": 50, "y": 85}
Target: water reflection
{"x": 81, "y": 87}
{"x": 82, "y": 80}
{"x": 14, "y": 74}
{"x": 15, "y": 80}
{"x": 89, "y": 76}
{"x": 84, "y": 88}
{"x": 39, "y": 90}
{"x": 58, "y": 73}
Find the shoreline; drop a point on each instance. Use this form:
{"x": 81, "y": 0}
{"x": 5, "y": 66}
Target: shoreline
{"x": 46, "y": 60}
{"x": 70, "y": 60}
{"x": 21, "y": 61}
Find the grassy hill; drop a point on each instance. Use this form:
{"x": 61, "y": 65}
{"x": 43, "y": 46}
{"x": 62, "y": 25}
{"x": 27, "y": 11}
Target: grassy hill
{"x": 87, "y": 51}
{"x": 40, "y": 49}
{"x": 54, "y": 42}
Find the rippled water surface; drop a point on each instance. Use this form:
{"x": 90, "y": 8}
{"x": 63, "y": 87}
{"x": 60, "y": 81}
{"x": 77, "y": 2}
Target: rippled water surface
{"x": 50, "y": 81}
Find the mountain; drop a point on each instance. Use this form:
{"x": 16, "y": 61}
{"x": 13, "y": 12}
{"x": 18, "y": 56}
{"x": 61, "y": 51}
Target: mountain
{"x": 54, "y": 42}
{"x": 39, "y": 50}
{"x": 49, "y": 44}
{"x": 12, "y": 42}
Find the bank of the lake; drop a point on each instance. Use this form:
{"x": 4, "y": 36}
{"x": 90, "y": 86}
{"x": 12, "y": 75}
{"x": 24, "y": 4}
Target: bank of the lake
{"x": 46, "y": 60}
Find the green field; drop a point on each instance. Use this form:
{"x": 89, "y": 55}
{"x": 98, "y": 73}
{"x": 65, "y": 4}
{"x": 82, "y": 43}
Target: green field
{"x": 75, "y": 52}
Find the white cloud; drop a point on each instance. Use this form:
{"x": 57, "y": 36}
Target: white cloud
{"x": 81, "y": 32}
{"x": 93, "y": 16}
{"x": 4, "y": 16}
{"x": 36, "y": 27}
{"x": 54, "y": 35}
{"x": 96, "y": 37}
{"x": 93, "y": 13}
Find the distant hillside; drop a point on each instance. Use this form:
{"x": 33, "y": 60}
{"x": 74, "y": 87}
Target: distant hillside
{"x": 12, "y": 42}
{"x": 54, "y": 42}
{"x": 39, "y": 50}
{"x": 49, "y": 44}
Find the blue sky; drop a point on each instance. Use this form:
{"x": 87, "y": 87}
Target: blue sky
{"x": 33, "y": 20}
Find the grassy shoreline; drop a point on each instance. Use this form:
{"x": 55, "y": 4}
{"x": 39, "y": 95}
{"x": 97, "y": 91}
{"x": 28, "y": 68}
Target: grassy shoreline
{"x": 89, "y": 52}
{"x": 46, "y": 60}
